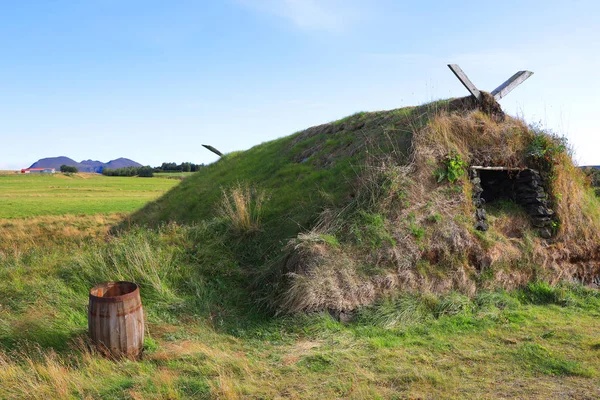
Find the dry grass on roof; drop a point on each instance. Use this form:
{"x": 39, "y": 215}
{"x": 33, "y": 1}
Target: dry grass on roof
{"x": 421, "y": 231}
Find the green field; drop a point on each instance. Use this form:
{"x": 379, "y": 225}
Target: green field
{"x": 172, "y": 174}
{"x": 29, "y": 195}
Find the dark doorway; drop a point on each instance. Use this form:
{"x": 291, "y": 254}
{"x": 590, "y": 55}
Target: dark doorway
{"x": 497, "y": 185}
{"x": 525, "y": 187}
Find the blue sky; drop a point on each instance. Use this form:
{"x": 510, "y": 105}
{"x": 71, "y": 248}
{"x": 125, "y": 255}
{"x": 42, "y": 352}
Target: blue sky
{"x": 153, "y": 80}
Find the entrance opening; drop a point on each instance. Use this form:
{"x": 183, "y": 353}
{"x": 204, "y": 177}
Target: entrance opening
{"x": 497, "y": 185}
{"x": 523, "y": 186}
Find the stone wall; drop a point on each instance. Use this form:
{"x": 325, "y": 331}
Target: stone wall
{"x": 525, "y": 187}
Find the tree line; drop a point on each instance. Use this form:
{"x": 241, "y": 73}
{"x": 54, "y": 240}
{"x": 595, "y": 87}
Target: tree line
{"x": 145, "y": 172}
{"x": 149, "y": 171}
{"x": 183, "y": 167}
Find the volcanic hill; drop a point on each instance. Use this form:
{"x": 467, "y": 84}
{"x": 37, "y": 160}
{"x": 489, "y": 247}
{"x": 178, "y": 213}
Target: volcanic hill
{"x": 85, "y": 165}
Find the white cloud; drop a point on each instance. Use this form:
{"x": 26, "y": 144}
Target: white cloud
{"x": 328, "y": 15}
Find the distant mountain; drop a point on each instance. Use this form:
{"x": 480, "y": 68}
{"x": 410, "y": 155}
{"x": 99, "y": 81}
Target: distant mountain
{"x": 55, "y": 162}
{"x": 85, "y": 165}
{"x": 121, "y": 163}
{"x": 92, "y": 163}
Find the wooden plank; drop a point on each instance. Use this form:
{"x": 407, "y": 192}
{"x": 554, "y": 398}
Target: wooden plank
{"x": 464, "y": 79}
{"x": 479, "y": 168}
{"x": 510, "y": 84}
{"x": 209, "y": 147}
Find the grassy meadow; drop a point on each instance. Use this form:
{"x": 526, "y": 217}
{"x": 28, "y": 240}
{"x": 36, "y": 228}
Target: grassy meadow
{"x": 29, "y": 195}
{"x": 177, "y": 175}
{"x": 199, "y": 255}
{"x": 205, "y": 339}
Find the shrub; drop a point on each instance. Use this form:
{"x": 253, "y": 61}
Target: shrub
{"x": 545, "y": 146}
{"x": 68, "y": 168}
{"x": 145, "y": 172}
{"x": 453, "y": 168}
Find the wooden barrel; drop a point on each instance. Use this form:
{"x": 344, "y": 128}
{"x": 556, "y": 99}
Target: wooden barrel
{"x": 116, "y": 319}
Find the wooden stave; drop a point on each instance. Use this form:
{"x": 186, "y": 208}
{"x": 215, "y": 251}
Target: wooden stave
{"x": 116, "y": 324}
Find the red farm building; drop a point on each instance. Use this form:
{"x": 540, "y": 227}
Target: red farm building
{"x": 38, "y": 171}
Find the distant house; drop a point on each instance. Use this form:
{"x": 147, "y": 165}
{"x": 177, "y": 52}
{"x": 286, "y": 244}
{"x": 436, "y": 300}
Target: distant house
{"x": 38, "y": 171}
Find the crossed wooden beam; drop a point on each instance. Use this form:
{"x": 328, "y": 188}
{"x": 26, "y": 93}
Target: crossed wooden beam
{"x": 499, "y": 92}
{"x": 209, "y": 147}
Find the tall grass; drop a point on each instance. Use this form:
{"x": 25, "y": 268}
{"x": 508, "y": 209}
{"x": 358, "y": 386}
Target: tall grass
{"x": 134, "y": 257}
{"x": 242, "y": 206}
{"x": 20, "y": 234}
{"x": 200, "y": 346}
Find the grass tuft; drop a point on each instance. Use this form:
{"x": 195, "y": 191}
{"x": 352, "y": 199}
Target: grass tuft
{"x": 242, "y": 207}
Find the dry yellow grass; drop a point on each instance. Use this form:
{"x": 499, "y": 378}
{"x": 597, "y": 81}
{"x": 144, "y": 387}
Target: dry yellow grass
{"x": 242, "y": 205}
{"x": 82, "y": 175}
{"x": 23, "y": 233}
{"x": 575, "y": 250}
{"x": 354, "y": 362}
{"x": 435, "y": 248}
{"x": 469, "y": 355}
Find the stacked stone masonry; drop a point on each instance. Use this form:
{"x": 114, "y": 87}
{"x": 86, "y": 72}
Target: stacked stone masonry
{"x": 525, "y": 188}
